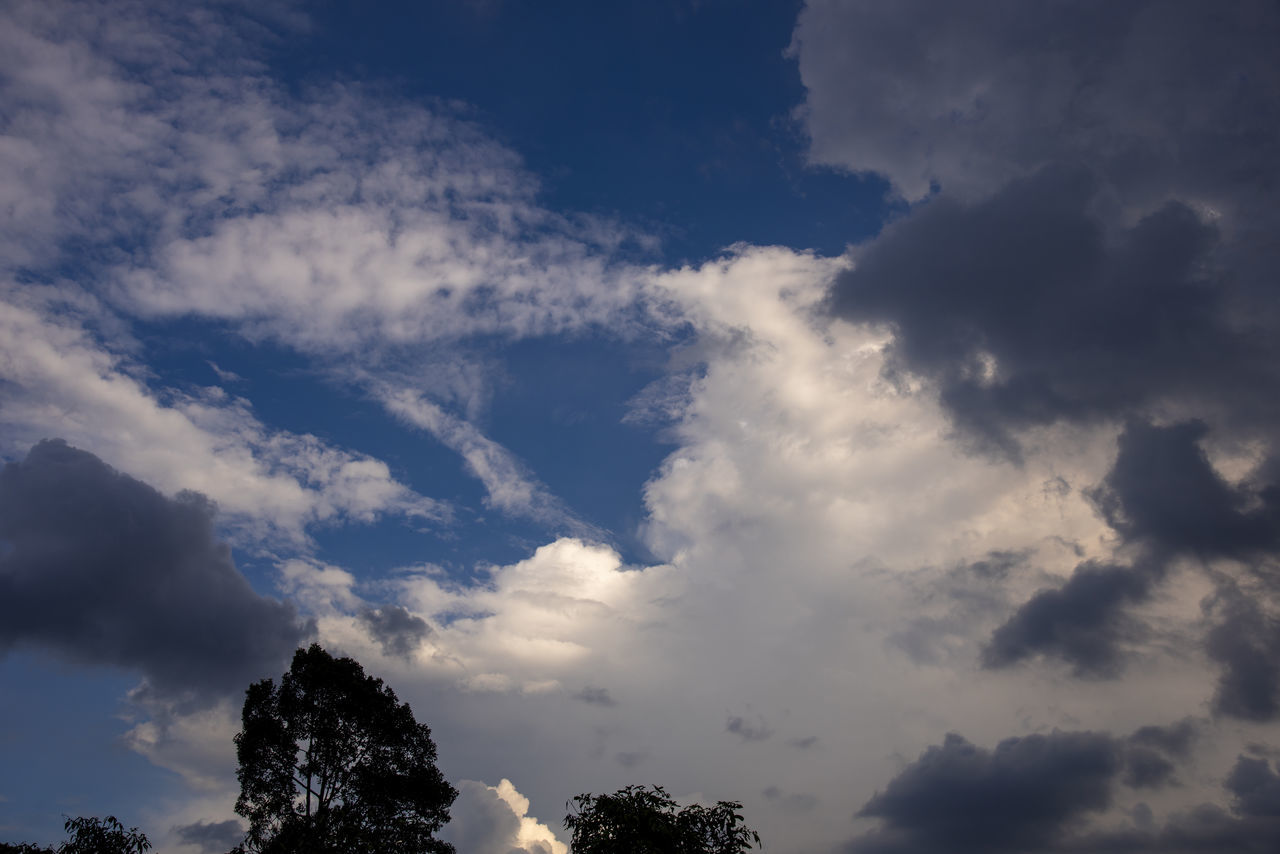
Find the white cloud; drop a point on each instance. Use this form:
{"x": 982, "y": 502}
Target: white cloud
{"x": 510, "y": 486}
{"x": 495, "y": 820}
{"x": 808, "y": 513}
{"x": 63, "y": 383}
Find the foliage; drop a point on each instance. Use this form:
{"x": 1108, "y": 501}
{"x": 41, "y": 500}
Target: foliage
{"x": 644, "y": 820}
{"x": 330, "y": 761}
{"x": 89, "y": 836}
{"x": 102, "y": 836}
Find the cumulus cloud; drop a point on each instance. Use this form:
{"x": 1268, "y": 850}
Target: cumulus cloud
{"x": 494, "y": 820}
{"x": 104, "y": 569}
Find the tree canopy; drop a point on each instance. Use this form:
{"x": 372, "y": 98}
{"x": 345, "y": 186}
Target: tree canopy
{"x": 90, "y": 835}
{"x": 645, "y": 820}
{"x": 331, "y": 761}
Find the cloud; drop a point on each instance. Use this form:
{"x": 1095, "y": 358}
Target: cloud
{"x": 1153, "y": 94}
{"x": 1164, "y": 491}
{"x": 511, "y": 488}
{"x": 1036, "y": 794}
{"x": 1246, "y": 643}
{"x": 596, "y": 697}
{"x": 796, "y": 802}
{"x": 757, "y": 730}
{"x": 211, "y": 837}
{"x": 396, "y": 630}
{"x": 105, "y": 570}
{"x": 1016, "y": 797}
{"x": 1024, "y": 310}
{"x": 1082, "y": 622}
{"x": 494, "y": 820}
{"x": 354, "y": 228}
{"x": 267, "y": 483}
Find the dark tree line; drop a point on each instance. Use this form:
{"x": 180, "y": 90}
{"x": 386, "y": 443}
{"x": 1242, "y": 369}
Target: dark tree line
{"x": 331, "y": 762}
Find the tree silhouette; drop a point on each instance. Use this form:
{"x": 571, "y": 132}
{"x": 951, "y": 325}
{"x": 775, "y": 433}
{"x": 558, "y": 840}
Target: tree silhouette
{"x": 330, "y": 761}
{"x": 644, "y": 820}
{"x": 89, "y": 836}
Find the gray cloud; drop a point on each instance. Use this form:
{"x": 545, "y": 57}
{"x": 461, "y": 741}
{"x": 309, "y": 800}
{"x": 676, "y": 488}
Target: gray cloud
{"x": 1024, "y": 310}
{"x": 211, "y": 837}
{"x": 793, "y": 802}
{"x": 1083, "y": 622}
{"x": 958, "y": 797}
{"x": 1032, "y": 795}
{"x": 104, "y": 569}
{"x": 395, "y": 629}
{"x": 1163, "y": 496}
{"x": 630, "y": 759}
{"x": 1155, "y": 93}
{"x": 1173, "y": 740}
{"x": 1162, "y": 491}
{"x": 757, "y": 730}
{"x": 1246, "y": 644}
{"x": 596, "y": 696}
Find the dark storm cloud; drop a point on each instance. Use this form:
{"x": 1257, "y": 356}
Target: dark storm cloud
{"x": 1162, "y": 97}
{"x": 1256, "y": 787}
{"x": 958, "y": 797}
{"x": 395, "y": 629}
{"x": 1164, "y": 497}
{"x": 1246, "y": 644}
{"x": 1035, "y": 794}
{"x": 106, "y": 570}
{"x": 211, "y": 837}
{"x": 1083, "y": 622}
{"x": 1025, "y": 311}
{"x": 1162, "y": 491}
{"x": 1152, "y": 753}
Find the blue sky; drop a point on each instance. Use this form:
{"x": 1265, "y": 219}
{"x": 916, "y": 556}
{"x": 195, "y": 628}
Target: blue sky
{"x": 864, "y": 412}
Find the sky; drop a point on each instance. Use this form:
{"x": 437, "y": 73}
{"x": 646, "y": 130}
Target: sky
{"x": 864, "y": 412}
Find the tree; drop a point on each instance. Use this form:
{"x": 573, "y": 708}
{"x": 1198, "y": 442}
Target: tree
{"x": 330, "y": 761}
{"x": 89, "y": 836}
{"x": 644, "y": 820}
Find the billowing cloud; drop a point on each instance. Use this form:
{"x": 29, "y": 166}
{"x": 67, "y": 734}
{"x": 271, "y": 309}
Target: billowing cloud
{"x": 1164, "y": 492}
{"x": 1025, "y": 311}
{"x": 104, "y": 569}
{"x": 494, "y": 820}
